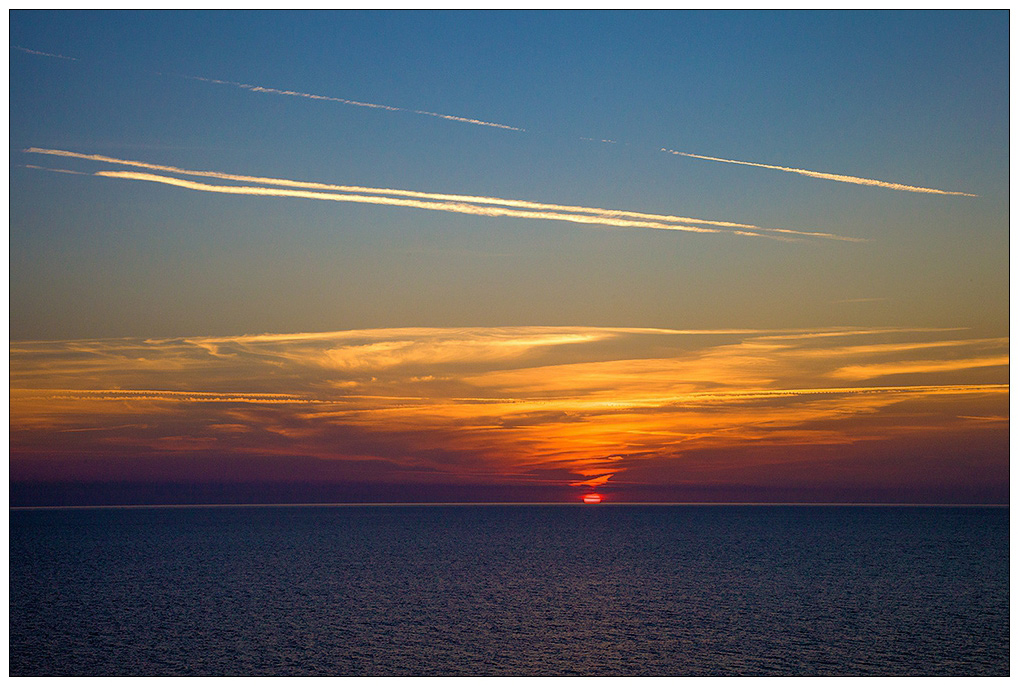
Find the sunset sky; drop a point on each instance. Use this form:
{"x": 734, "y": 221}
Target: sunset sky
{"x": 394, "y": 256}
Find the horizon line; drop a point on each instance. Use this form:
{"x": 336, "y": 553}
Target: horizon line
{"x": 491, "y": 503}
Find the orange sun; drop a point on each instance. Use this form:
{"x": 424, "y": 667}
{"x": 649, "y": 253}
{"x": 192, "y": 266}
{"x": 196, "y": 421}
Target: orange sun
{"x": 592, "y": 498}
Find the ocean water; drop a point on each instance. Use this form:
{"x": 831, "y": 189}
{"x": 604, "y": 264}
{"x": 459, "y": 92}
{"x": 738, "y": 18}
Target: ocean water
{"x": 510, "y": 590}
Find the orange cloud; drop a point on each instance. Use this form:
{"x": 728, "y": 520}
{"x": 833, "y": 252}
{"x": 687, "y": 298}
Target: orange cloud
{"x": 870, "y": 371}
{"x": 507, "y": 403}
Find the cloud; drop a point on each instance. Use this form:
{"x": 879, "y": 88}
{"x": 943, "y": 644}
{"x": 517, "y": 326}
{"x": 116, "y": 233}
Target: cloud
{"x": 830, "y": 177}
{"x": 585, "y": 403}
{"x": 595, "y": 482}
{"x": 462, "y": 204}
{"x": 883, "y": 348}
{"x": 175, "y": 396}
{"x": 870, "y": 371}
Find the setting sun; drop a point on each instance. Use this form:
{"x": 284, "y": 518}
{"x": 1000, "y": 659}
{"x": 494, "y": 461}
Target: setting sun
{"x": 335, "y": 360}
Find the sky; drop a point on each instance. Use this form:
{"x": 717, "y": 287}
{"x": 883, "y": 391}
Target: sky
{"x": 509, "y": 256}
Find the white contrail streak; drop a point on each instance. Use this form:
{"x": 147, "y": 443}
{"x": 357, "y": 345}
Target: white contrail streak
{"x": 476, "y": 199}
{"x": 309, "y": 96}
{"x": 460, "y": 208}
{"x": 478, "y": 122}
{"x": 44, "y": 54}
{"x": 467, "y": 204}
{"x": 356, "y": 103}
{"x": 51, "y": 169}
{"x": 823, "y": 175}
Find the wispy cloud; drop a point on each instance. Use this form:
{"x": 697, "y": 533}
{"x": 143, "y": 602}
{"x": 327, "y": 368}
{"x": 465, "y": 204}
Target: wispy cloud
{"x": 596, "y": 482}
{"x": 824, "y": 175}
{"x": 462, "y": 204}
{"x": 870, "y": 371}
{"x": 589, "y": 402}
{"x": 175, "y": 396}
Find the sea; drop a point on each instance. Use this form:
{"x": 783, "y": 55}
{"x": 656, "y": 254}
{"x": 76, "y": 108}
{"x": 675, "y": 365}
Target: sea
{"x": 489, "y": 590}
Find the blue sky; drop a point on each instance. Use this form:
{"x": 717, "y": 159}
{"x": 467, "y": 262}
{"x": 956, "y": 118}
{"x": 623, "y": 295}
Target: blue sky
{"x": 917, "y": 98}
{"x": 571, "y": 112}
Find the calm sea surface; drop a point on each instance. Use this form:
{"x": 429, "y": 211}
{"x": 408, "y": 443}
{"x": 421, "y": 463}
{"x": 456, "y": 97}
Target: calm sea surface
{"x": 545, "y": 590}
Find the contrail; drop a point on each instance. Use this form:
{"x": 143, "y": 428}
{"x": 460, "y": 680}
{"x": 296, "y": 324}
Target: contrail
{"x": 461, "y": 208}
{"x": 823, "y": 175}
{"x": 44, "y": 54}
{"x": 309, "y": 96}
{"x": 356, "y": 103}
{"x": 478, "y": 122}
{"x": 467, "y": 204}
{"x": 484, "y": 200}
{"x": 51, "y": 169}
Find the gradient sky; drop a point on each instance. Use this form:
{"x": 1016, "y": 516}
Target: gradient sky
{"x": 431, "y": 256}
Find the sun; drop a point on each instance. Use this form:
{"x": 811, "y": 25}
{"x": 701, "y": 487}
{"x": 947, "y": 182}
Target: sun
{"x": 592, "y": 498}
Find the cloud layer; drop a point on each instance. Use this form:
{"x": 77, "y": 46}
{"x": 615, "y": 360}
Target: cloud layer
{"x": 555, "y": 404}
